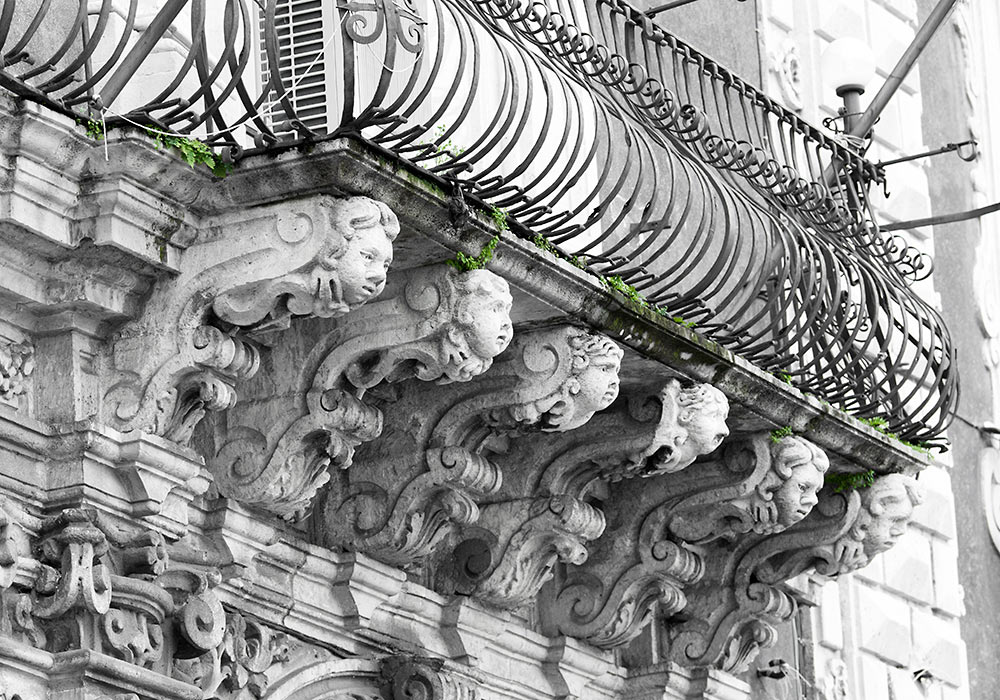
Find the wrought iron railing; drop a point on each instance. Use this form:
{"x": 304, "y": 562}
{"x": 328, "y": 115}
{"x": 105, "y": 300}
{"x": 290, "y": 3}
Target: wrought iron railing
{"x": 592, "y": 126}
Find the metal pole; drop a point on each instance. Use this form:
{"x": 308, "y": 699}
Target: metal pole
{"x": 898, "y": 74}
{"x": 667, "y": 6}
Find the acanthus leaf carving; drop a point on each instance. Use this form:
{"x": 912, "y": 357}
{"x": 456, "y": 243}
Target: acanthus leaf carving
{"x": 410, "y": 490}
{"x": 432, "y": 325}
{"x": 248, "y": 272}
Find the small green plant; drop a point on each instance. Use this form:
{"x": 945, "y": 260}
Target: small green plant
{"x": 779, "y": 434}
{"x": 542, "y": 242}
{"x": 499, "y": 217}
{"x": 843, "y": 481}
{"x": 465, "y": 263}
{"x": 680, "y": 320}
{"x": 882, "y": 426}
{"x": 785, "y": 377}
{"x": 192, "y": 151}
{"x": 95, "y": 129}
{"x": 447, "y": 150}
{"x": 619, "y": 285}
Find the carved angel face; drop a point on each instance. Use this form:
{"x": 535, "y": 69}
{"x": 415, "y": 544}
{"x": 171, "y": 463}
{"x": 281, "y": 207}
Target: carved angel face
{"x": 598, "y": 384}
{"x": 797, "y": 495}
{"x": 363, "y": 266}
{"x": 890, "y": 503}
{"x": 491, "y": 331}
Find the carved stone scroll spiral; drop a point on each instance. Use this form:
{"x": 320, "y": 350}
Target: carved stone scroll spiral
{"x": 433, "y": 324}
{"x": 424, "y": 476}
{"x": 248, "y": 273}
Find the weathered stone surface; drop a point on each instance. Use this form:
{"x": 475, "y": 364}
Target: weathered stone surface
{"x": 17, "y": 362}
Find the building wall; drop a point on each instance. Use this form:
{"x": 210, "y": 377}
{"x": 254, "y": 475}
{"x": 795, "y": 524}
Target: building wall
{"x": 877, "y": 631}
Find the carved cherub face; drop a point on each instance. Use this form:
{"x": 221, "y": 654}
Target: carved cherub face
{"x": 797, "y": 495}
{"x": 490, "y": 332}
{"x": 598, "y": 383}
{"x": 890, "y": 502}
{"x": 704, "y": 410}
{"x": 363, "y": 266}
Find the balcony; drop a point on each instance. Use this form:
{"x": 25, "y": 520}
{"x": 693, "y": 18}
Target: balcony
{"x": 632, "y": 209}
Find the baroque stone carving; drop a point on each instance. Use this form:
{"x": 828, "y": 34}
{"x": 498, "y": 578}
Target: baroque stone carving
{"x": 732, "y": 611}
{"x": 505, "y": 561}
{"x": 754, "y": 485}
{"x": 766, "y": 487}
{"x": 320, "y": 256}
{"x": 433, "y": 324}
{"x": 425, "y": 474}
{"x": 235, "y": 668}
{"x": 17, "y": 362}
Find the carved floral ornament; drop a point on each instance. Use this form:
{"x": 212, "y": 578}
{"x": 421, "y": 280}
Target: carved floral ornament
{"x": 17, "y": 362}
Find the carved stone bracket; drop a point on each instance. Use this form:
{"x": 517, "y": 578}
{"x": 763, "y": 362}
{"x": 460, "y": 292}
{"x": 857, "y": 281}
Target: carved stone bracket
{"x": 505, "y": 561}
{"x": 432, "y": 324}
{"x": 755, "y": 485}
{"x": 432, "y": 463}
{"x": 732, "y": 610}
{"x": 251, "y": 271}
{"x": 407, "y": 677}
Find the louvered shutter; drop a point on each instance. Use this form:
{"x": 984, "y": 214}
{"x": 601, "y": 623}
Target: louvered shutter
{"x": 303, "y": 27}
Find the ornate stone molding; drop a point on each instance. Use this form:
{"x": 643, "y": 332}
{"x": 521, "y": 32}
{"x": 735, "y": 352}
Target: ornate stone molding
{"x": 431, "y": 465}
{"x": 433, "y": 324}
{"x": 753, "y": 486}
{"x": 541, "y": 516}
{"x": 732, "y": 611}
{"x": 17, "y": 362}
{"x": 251, "y": 271}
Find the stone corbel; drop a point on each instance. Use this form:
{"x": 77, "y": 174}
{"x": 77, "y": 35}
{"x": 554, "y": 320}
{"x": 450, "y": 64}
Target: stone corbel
{"x": 405, "y": 677}
{"x": 755, "y": 484}
{"x": 247, "y": 273}
{"x": 433, "y": 324}
{"x": 424, "y": 477}
{"x": 732, "y": 611}
{"x": 542, "y": 516}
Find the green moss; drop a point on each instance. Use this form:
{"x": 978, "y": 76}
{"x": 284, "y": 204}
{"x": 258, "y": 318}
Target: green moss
{"x": 465, "y": 263}
{"x": 843, "y": 481}
{"x": 779, "y": 434}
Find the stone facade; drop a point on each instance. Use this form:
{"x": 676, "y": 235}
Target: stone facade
{"x": 259, "y": 439}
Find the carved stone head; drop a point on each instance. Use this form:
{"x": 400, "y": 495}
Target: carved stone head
{"x": 481, "y": 327}
{"x": 592, "y": 385}
{"x": 340, "y": 250}
{"x": 363, "y": 261}
{"x": 693, "y": 423}
{"x": 887, "y": 508}
{"x": 795, "y": 478}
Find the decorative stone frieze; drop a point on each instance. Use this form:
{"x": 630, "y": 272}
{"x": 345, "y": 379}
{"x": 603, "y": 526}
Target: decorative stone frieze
{"x": 249, "y": 271}
{"x": 431, "y": 464}
{"x": 17, "y": 362}
{"x": 732, "y": 610}
{"x": 542, "y": 516}
{"x": 433, "y": 324}
{"x": 755, "y": 485}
